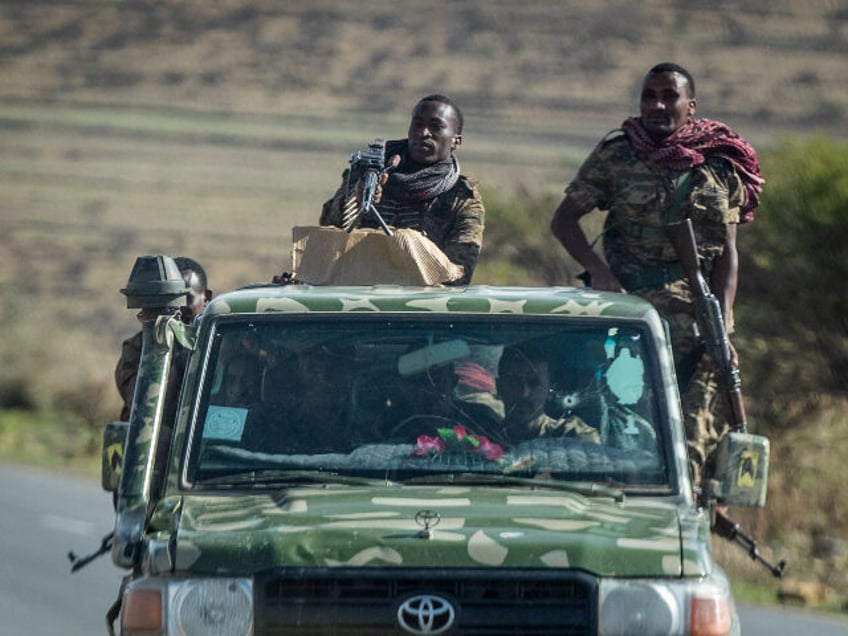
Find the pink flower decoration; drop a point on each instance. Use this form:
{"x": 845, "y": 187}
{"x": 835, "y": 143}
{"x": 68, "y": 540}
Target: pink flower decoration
{"x": 457, "y": 438}
{"x": 491, "y": 451}
{"x": 425, "y": 445}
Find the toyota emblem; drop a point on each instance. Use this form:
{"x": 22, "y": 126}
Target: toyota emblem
{"x": 426, "y": 614}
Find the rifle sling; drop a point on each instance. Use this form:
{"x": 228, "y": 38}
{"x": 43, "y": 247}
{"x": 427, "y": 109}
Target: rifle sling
{"x": 681, "y": 189}
{"x": 656, "y": 276}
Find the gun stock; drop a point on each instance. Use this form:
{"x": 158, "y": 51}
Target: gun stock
{"x": 708, "y": 317}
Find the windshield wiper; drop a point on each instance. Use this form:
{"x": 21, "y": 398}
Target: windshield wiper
{"x": 262, "y": 477}
{"x": 588, "y": 489}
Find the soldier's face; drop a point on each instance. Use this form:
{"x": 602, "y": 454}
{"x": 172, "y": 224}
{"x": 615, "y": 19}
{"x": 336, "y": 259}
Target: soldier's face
{"x": 665, "y": 104}
{"x": 523, "y": 386}
{"x": 197, "y": 299}
{"x": 240, "y": 384}
{"x": 432, "y": 133}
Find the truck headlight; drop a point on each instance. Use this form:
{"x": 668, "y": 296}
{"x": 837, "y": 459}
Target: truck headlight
{"x": 212, "y": 606}
{"x": 649, "y": 606}
{"x": 188, "y": 607}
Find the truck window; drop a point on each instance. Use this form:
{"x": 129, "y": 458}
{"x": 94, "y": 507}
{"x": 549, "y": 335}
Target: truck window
{"x": 404, "y": 398}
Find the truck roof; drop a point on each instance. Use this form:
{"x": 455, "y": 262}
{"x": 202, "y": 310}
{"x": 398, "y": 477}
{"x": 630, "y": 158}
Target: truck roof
{"x": 474, "y": 299}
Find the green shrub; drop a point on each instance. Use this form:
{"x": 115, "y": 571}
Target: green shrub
{"x": 519, "y": 248}
{"x": 792, "y": 305}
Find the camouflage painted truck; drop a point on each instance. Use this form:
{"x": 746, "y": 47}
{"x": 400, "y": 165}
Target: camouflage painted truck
{"x": 339, "y": 464}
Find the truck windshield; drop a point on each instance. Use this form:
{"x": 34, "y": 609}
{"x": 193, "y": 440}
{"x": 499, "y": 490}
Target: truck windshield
{"x": 407, "y": 397}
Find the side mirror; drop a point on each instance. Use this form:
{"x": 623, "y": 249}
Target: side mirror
{"x": 112, "y": 455}
{"x": 742, "y": 469}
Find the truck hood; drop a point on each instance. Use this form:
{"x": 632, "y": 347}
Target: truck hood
{"x": 331, "y": 526}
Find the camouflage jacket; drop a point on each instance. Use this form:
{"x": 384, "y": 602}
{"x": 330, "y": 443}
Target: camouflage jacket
{"x": 571, "y": 426}
{"x": 638, "y": 196}
{"x": 454, "y": 221}
{"x": 126, "y": 372}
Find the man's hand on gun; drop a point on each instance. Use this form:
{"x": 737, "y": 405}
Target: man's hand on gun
{"x": 392, "y": 163}
{"x": 706, "y": 361}
{"x": 368, "y": 173}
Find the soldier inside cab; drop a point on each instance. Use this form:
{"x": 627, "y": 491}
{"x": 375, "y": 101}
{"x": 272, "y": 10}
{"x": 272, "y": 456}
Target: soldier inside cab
{"x": 524, "y": 385}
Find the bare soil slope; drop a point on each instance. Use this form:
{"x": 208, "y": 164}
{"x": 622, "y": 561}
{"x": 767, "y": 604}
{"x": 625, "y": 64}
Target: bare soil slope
{"x": 773, "y": 63}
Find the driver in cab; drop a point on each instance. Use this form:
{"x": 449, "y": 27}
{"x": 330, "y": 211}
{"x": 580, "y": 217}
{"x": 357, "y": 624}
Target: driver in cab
{"x": 524, "y": 385}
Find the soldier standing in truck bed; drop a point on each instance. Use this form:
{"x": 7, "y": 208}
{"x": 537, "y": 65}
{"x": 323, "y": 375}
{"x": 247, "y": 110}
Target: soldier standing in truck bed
{"x": 661, "y": 167}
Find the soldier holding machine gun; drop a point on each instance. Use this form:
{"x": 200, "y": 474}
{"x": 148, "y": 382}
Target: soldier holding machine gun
{"x": 416, "y": 183}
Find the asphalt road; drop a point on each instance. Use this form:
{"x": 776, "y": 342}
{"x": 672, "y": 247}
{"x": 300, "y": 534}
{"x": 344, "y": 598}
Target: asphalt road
{"x": 779, "y": 621}
{"x": 44, "y": 515}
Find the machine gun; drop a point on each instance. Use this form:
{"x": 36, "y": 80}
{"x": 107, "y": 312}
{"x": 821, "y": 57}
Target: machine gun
{"x": 741, "y": 456}
{"x": 368, "y": 166}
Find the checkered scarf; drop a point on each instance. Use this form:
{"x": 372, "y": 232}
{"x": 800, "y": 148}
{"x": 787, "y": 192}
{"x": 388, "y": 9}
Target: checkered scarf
{"x": 422, "y": 185}
{"x": 689, "y": 145}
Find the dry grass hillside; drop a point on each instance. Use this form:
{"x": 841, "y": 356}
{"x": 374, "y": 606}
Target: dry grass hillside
{"x": 175, "y": 125}
{"x": 763, "y": 63}
{"x": 210, "y": 128}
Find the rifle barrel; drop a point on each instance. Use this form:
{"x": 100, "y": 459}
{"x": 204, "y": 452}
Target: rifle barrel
{"x": 728, "y": 529}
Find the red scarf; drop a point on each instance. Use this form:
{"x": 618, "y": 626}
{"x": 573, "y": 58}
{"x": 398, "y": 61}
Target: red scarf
{"x": 689, "y": 145}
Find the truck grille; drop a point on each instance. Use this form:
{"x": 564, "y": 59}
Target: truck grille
{"x": 365, "y": 602}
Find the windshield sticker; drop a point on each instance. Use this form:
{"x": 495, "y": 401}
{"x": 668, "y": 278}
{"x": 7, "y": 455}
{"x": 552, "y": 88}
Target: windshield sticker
{"x": 224, "y": 423}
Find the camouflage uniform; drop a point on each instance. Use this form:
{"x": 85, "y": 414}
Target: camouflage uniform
{"x": 126, "y": 372}
{"x": 571, "y": 426}
{"x": 454, "y": 221}
{"x": 638, "y": 196}
{"x": 499, "y": 430}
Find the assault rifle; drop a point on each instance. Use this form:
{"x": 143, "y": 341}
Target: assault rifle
{"x": 740, "y": 449}
{"x": 709, "y": 319}
{"x": 368, "y": 166}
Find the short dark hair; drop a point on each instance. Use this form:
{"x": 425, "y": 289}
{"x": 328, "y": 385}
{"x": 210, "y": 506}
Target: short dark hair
{"x": 185, "y": 263}
{"x": 447, "y": 101}
{"x": 529, "y": 352}
{"x": 671, "y": 67}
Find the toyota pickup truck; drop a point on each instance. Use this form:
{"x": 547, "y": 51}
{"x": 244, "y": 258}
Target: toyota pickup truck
{"x": 399, "y": 460}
